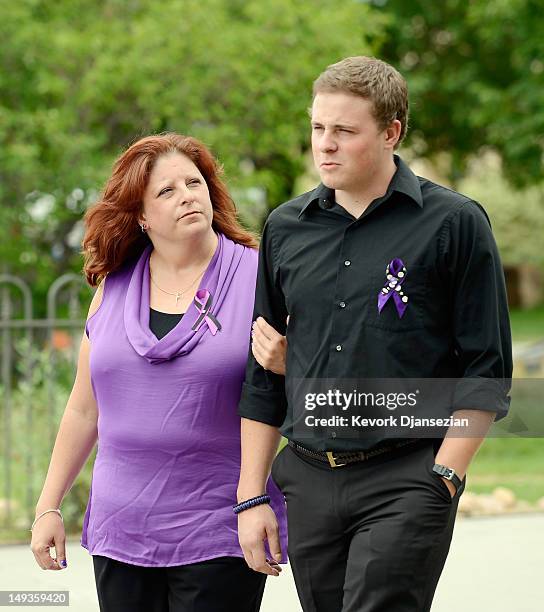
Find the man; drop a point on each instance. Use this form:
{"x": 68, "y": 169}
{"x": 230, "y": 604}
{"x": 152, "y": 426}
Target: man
{"x": 370, "y": 517}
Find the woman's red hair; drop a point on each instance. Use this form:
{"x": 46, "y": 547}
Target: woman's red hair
{"x": 112, "y": 234}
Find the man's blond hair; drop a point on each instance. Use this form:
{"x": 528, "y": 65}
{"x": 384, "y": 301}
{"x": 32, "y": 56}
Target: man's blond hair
{"x": 373, "y": 80}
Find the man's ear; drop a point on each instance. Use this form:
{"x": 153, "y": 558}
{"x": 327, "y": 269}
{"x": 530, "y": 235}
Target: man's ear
{"x": 392, "y": 133}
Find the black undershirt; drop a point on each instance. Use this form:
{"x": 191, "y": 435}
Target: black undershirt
{"x": 160, "y": 323}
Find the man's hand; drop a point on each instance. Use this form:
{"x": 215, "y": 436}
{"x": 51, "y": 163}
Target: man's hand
{"x": 450, "y": 485}
{"x": 268, "y": 346}
{"x": 254, "y": 527}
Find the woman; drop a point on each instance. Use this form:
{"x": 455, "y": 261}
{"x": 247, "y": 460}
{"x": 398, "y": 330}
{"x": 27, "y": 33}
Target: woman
{"x": 159, "y": 376}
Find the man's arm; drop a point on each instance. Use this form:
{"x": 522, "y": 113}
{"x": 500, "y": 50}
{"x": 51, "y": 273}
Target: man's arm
{"x": 481, "y": 330}
{"x": 263, "y": 392}
{"x": 457, "y": 450}
{"x": 259, "y": 446}
{"x": 262, "y": 408}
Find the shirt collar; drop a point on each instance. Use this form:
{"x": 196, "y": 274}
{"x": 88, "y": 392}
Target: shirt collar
{"x": 404, "y": 181}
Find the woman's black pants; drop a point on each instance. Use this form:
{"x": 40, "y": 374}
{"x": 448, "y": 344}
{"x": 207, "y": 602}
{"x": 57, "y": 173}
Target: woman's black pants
{"x": 225, "y": 584}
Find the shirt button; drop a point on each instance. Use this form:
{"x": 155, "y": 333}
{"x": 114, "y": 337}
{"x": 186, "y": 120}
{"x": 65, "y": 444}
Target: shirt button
{"x": 347, "y": 262}
{"x": 338, "y": 347}
{"x": 342, "y": 304}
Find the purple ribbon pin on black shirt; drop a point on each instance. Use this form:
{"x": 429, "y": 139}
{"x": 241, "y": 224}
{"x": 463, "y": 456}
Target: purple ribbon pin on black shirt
{"x": 395, "y": 274}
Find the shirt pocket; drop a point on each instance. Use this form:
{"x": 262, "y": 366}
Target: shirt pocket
{"x": 414, "y": 286}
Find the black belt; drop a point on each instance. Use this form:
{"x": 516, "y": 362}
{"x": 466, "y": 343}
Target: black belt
{"x": 338, "y": 459}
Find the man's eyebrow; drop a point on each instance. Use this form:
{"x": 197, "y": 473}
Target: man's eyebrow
{"x": 346, "y": 126}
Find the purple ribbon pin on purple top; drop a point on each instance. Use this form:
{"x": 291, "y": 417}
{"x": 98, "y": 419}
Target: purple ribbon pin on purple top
{"x": 203, "y": 301}
{"x": 395, "y": 274}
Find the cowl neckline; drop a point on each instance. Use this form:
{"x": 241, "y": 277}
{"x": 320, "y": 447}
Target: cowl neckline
{"x": 182, "y": 339}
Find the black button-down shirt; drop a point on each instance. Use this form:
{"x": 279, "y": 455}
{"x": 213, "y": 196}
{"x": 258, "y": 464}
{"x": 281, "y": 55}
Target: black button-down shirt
{"x": 326, "y": 268}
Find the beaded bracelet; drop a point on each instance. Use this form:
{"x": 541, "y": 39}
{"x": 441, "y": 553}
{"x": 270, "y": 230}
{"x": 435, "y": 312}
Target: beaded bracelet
{"x": 251, "y": 503}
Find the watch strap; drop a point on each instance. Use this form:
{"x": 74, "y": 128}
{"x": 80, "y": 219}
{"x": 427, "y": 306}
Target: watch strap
{"x": 448, "y": 474}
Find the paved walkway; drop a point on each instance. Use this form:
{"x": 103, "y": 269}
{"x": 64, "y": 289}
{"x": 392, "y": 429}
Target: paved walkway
{"x": 494, "y": 564}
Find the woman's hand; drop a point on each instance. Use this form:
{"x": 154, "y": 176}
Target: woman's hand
{"x": 268, "y": 346}
{"x": 49, "y": 532}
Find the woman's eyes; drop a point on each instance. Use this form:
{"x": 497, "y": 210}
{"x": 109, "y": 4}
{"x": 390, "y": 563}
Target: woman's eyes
{"x": 191, "y": 182}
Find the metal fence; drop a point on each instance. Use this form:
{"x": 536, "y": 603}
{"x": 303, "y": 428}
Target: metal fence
{"x": 17, "y": 323}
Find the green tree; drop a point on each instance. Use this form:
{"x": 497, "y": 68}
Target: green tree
{"x": 476, "y": 75}
{"x": 517, "y": 215}
{"x": 80, "y": 80}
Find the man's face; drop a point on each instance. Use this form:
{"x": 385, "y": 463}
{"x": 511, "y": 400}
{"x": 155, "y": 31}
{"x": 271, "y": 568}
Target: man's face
{"x": 347, "y": 144}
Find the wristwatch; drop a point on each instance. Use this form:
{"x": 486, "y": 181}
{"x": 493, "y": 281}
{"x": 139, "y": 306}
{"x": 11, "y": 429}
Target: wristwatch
{"x": 448, "y": 474}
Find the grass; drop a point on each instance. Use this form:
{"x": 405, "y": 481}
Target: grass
{"x": 515, "y": 463}
{"x": 527, "y": 325}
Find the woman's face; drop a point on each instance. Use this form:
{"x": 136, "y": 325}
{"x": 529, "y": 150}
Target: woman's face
{"x": 176, "y": 202}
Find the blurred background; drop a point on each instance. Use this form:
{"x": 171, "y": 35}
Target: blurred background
{"x": 80, "y": 80}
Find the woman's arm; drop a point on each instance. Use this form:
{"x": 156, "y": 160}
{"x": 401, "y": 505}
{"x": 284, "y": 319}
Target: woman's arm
{"x": 75, "y": 440}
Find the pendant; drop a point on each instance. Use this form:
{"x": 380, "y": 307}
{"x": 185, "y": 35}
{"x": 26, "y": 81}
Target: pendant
{"x": 178, "y": 295}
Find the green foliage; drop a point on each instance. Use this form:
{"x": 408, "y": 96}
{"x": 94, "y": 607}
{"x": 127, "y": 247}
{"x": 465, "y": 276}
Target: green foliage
{"x": 517, "y": 215}
{"x": 476, "y": 76}
{"x": 37, "y": 401}
{"x": 79, "y": 81}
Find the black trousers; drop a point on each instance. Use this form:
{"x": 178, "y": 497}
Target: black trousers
{"x": 367, "y": 537}
{"x": 225, "y": 584}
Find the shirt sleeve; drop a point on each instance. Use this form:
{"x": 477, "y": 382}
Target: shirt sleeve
{"x": 481, "y": 326}
{"x": 263, "y": 392}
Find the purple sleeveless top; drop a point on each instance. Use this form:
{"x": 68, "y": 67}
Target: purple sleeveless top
{"x": 168, "y": 461}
